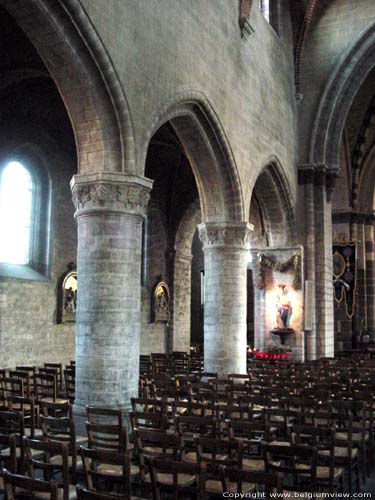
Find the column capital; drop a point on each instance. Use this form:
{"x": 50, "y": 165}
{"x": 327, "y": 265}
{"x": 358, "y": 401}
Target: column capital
{"x": 225, "y": 234}
{"x": 110, "y": 192}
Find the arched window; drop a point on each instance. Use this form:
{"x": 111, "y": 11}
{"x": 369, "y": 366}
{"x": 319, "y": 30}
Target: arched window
{"x": 25, "y": 197}
{"x": 16, "y": 211}
{"x": 264, "y": 6}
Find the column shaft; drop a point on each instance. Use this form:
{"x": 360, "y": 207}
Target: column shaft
{"x": 370, "y": 278}
{"x": 225, "y": 249}
{"x": 109, "y": 217}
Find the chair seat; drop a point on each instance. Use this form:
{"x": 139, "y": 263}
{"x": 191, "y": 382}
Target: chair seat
{"x": 57, "y": 460}
{"x": 167, "y": 479}
{"x": 37, "y": 432}
{"x": 117, "y": 469}
{"x": 6, "y": 453}
{"x": 340, "y": 451}
{"x": 253, "y": 464}
{"x": 355, "y": 436}
{"x": 323, "y": 472}
{"x": 191, "y": 456}
{"x": 215, "y": 486}
{"x": 60, "y": 494}
{"x": 57, "y": 400}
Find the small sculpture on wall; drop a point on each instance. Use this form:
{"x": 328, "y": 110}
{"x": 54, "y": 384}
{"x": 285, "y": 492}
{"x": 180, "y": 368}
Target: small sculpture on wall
{"x": 67, "y": 296}
{"x": 160, "y": 302}
{"x": 283, "y": 308}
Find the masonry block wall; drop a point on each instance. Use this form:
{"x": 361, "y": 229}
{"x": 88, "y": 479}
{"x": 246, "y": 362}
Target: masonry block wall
{"x": 162, "y": 50}
{"x": 28, "y": 330}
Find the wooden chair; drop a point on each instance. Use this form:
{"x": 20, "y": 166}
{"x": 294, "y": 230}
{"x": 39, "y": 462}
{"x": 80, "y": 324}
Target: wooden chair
{"x": 25, "y": 377}
{"x": 155, "y": 444}
{"x": 143, "y": 420}
{"x": 252, "y": 435}
{"x": 12, "y": 422}
{"x": 62, "y": 430}
{"x": 178, "y": 480}
{"x": 323, "y": 439}
{"x": 45, "y": 387}
{"x": 107, "y": 471}
{"x": 268, "y": 483}
{"x": 215, "y": 454}
{"x": 30, "y": 413}
{"x": 51, "y": 459}
{"x": 297, "y": 464}
{"x": 8, "y": 461}
{"x": 56, "y": 409}
{"x": 13, "y": 482}
{"x": 70, "y": 384}
{"x": 58, "y": 369}
{"x": 107, "y": 437}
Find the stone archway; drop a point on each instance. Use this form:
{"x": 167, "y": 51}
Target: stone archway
{"x": 224, "y": 232}
{"x": 109, "y": 197}
{"x": 275, "y": 200}
{"x": 78, "y": 63}
{"x": 343, "y": 85}
{"x": 274, "y": 238}
{"x": 182, "y": 278}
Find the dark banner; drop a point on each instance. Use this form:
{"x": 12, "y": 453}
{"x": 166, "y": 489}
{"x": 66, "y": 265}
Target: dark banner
{"x": 344, "y": 279}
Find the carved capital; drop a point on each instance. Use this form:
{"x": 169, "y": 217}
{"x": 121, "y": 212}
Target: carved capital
{"x": 110, "y": 192}
{"x": 221, "y": 235}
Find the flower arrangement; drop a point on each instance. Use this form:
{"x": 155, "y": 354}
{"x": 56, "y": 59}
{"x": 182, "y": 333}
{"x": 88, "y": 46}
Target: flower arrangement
{"x": 273, "y": 351}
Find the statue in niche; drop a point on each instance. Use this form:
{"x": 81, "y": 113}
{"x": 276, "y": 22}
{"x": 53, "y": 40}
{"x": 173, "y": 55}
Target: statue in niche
{"x": 283, "y": 308}
{"x": 160, "y": 302}
{"x": 67, "y": 296}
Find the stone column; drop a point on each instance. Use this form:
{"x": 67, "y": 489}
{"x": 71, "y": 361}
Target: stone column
{"x": 361, "y": 307}
{"x": 306, "y": 174}
{"x": 109, "y": 212}
{"x": 225, "y": 247}
{"x": 370, "y": 278}
{"x": 323, "y": 264}
{"x": 181, "y": 302}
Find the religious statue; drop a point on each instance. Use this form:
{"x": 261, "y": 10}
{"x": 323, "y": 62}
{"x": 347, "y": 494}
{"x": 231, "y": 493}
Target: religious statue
{"x": 161, "y": 297}
{"x": 283, "y": 308}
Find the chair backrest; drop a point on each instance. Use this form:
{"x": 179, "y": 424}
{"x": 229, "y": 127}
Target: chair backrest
{"x": 14, "y": 481}
{"x": 107, "y": 437}
{"x": 12, "y": 386}
{"x": 28, "y": 408}
{"x": 102, "y": 415}
{"x": 9, "y": 441}
{"x": 97, "y": 466}
{"x": 143, "y": 420}
{"x": 287, "y": 459}
{"x": 25, "y": 377}
{"x": 56, "y": 409}
{"x": 156, "y": 444}
{"x": 269, "y": 482}
{"x": 219, "y": 452}
{"x": 190, "y": 426}
{"x": 176, "y": 490}
{"x": 62, "y": 430}
{"x": 84, "y": 494}
{"x": 57, "y": 367}
{"x": 52, "y": 459}
{"x": 45, "y": 386}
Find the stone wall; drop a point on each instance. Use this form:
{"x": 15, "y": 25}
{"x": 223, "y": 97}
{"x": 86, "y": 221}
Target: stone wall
{"x": 28, "y": 330}
{"x": 163, "y": 50}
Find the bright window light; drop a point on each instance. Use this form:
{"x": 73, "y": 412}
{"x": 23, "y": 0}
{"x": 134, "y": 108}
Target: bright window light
{"x": 16, "y": 193}
{"x": 265, "y": 8}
